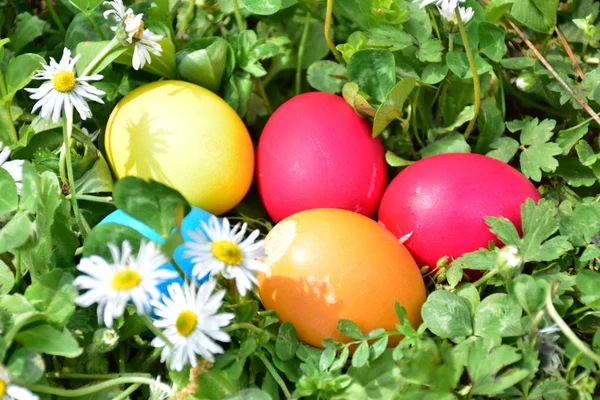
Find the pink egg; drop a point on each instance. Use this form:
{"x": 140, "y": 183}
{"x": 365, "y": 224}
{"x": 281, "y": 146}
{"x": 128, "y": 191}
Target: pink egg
{"x": 316, "y": 152}
{"x": 443, "y": 200}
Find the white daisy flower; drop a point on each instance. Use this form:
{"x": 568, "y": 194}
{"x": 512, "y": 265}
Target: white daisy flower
{"x": 14, "y": 167}
{"x": 159, "y": 390}
{"x": 190, "y": 321}
{"x": 450, "y": 15}
{"x": 118, "y": 11}
{"x": 127, "y": 278}
{"x": 144, "y": 41}
{"x": 442, "y": 4}
{"x": 63, "y": 89}
{"x": 226, "y": 252}
{"x": 8, "y": 391}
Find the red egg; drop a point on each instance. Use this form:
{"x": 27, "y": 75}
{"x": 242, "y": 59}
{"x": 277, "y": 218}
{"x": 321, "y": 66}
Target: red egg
{"x": 316, "y": 152}
{"x": 444, "y": 199}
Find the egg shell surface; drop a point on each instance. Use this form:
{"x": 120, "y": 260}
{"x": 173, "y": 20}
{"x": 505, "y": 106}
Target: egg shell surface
{"x": 316, "y": 152}
{"x": 443, "y": 201}
{"x": 329, "y": 264}
{"x": 191, "y": 222}
{"x": 186, "y": 137}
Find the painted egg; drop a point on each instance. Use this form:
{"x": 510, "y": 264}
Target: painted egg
{"x": 191, "y": 222}
{"x": 316, "y": 152}
{"x": 329, "y": 264}
{"x": 441, "y": 201}
{"x": 183, "y": 136}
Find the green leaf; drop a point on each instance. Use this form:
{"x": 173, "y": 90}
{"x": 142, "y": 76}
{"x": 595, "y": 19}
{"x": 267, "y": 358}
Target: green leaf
{"x": 568, "y": 137}
{"x": 498, "y": 315}
{"x": 28, "y": 28}
{"x": 452, "y": 143}
{"x": 350, "y": 329}
{"x": 539, "y": 155}
{"x": 588, "y": 282}
{"x": 539, "y": 15}
{"x": 378, "y": 348}
{"x": 586, "y": 153}
{"x": 16, "y": 232}
{"x": 550, "y": 389}
{"x": 517, "y": 62}
{"x": 434, "y": 73}
{"x": 9, "y": 199}
{"x": 287, "y": 342}
{"x": 206, "y": 67}
{"x": 491, "y": 125}
{"x": 27, "y": 365}
{"x": 262, "y": 7}
{"x": 481, "y": 259}
{"x": 54, "y": 294}
{"x": 496, "y": 9}
{"x": 374, "y": 71}
{"x": 86, "y": 5}
{"x": 504, "y": 230}
{"x": 395, "y": 161}
{"x": 576, "y": 174}
{"x": 361, "y": 355}
{"x": 459, "y": 64}
{"x": 7, "y": 278}
{"x": 484, "y": 363}
{"x": 582, "y": 224}
{"x": 447, "y": 315}
{"x": 431, "y": 51}
{"x": 97, "y": 241}
{"x": 470, "y": 293}
{"x": 48, "y": 340}
{"x": 214, "y": 384}
{"x": 327, "y": 76}
{"x": 505, "y": 149}
{"x": 326, "y": 358}
{"x": 491, "y": 41}
{"x": 150, "y": 202}
{"x": 529, "y": 292}
{"x": 19, "y": 72}
{"x": 250, "y": 394}
{"x": 393, "y": 105}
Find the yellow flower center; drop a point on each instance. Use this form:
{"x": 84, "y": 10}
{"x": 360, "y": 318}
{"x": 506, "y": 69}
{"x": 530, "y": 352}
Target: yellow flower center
{"x": 2, "y": 388}
{"x": 140, "y": 31}
{"x": 64, "y": 81}
{"x": 125, "y": 280}
{"x": 186, "y": 322}
{"x": 228, "y": 252}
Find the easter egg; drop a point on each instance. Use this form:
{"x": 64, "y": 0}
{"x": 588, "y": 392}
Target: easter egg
{"x": 328, "y": 264}
{"x": 191, "y": 222}
{"x": 183, "y": 136}
{"x": 442, "y": 202}
{"x": 316, "y": 152}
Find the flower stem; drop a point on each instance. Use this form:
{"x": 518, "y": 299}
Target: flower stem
{"x": 328, "y": 18}
{"x": 90, "y": 17}
{"x": 275, "y": 375}
{"x": 93, "y": 377}
{"x": 128, "y": 391}
{"x": 54, "y": 16}
{"x": 476, "y": 85}
{"x": 263, "y": 95}
{"x": 109, "y": 47}
{"x": 67, "y": 132}
{"x": 301, "y": 53}
{"x": 581, "y": 346}
{"x": 84, "y": 391}
{"x": 486, "y": 277}
{"x": 97, "y": 199}
{"x": 155, "y": 330}
{"x": 238, "y": 15}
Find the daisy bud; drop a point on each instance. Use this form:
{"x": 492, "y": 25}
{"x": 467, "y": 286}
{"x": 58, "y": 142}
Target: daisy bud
{"x": 509, "y": 261}
{"x": 525, "y": 82}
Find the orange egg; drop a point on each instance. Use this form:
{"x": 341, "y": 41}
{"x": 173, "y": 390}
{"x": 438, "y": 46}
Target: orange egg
{"x": 328, "y": 264}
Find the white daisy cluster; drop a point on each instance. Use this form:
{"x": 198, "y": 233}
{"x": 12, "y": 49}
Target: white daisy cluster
{"x": 63, "y": 89}
{"x": 447, "y": 9}
{"x": 144, "y": 41}
{"x": 188, "y": 315}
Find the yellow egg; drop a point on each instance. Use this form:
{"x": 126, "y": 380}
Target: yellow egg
{"x": 183, "y": 136}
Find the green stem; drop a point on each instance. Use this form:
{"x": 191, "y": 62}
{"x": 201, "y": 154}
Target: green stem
{"x": 17, "y": 268}
{"x": 96, "y": 26}
{"x": 97, "y": 199}
{"x": 434, "y": 23}
{"x": 261, "y": 91}
{"x": 62, "y": 172}
{"x": 502, "y": 93}
{"x": 476, "y": 85}
{"x": 94, "y": 377}
{"x": 128, "y": 391}
{"x": 67, "y": 132}
{"x": 54, "y": 16}
{"x": 109, "y": 47}
{"x": 84, "y": 391}
{"x": 486, "y": 277}
{"x": 328, "y": 18}
{"x": 4, "y": 91}
{"x": 450, "y": 41}
{"x": 414, "y": 118}
{"x": 238, "y": 15}
{"x": 566, "y": 330}
{"x": 155, "y": 330}
{"x": 301, "y": 53}
{"x": 275, "y": 375}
